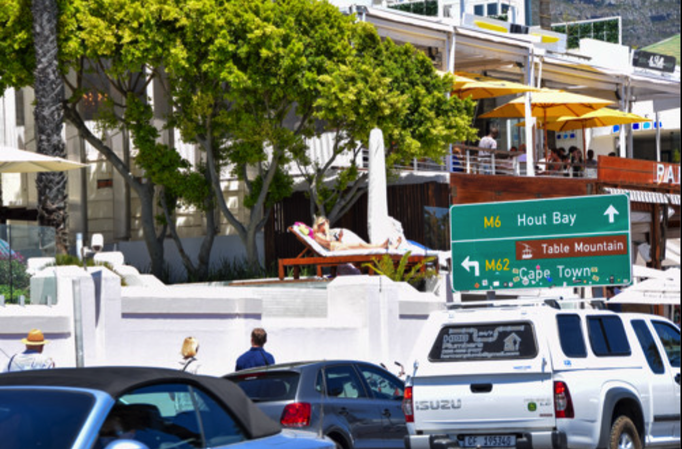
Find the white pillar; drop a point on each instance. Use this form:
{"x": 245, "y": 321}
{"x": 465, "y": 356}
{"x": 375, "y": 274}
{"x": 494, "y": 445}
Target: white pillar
{"x": 530, "y": 144}
{"x": 621, "y": 135}
{"x": 657, "y": 118}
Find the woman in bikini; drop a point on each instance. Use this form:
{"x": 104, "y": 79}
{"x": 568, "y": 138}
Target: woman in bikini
{"x": 333, "y": 242}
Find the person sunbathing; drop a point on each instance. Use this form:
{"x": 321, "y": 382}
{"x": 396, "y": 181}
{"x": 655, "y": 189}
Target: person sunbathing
{"x": 334, "y": 241}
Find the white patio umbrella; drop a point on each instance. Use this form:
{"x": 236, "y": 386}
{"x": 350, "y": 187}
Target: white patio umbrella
{"x": 378, "y": 222}
{"x": 653, "y": 291}
{"x": 13, "y": 160}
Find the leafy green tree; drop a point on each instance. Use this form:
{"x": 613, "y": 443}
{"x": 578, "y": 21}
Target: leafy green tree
{"x": 112, "y": 50}
{"x": 391, "y": 87}
{"x": 245, "y": 77}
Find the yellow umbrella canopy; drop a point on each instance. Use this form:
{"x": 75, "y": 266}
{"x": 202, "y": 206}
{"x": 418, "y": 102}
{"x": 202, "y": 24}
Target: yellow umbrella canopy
{"x": 596, "y": 119}
{"x": 478, "y": 86}
{"x": 549, "y": 103}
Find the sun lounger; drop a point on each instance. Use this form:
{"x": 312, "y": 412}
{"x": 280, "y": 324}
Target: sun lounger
{"x": 315, "y": 254}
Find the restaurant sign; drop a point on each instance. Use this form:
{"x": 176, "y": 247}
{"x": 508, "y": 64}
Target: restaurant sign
{"x": 654, "y": 61}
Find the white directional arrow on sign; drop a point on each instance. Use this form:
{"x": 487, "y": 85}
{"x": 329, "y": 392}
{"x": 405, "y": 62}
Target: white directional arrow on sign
{"x": 611, "y": 212}
{"x": 467, "y": 264}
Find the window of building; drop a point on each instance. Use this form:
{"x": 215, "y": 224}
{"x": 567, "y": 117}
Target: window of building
{"x": 479, "y": 10}
{"x": 491, "y": 9}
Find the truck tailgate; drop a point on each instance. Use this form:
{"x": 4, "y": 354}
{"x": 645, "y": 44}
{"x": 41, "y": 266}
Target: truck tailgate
{"x": 484, "y": 403}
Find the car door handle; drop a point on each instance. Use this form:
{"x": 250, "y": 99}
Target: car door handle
{"x": 677, "y": 378}
{"x": 481, "y": 388}
{"x": 386, "y": 413}
{"x": 343, "y": 411}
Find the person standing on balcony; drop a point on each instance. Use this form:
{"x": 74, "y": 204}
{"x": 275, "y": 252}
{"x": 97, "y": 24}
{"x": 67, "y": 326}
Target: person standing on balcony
{"x": 256, "y": 356}
{"x": 489, "y": 142}
{"x": 32, "y": 358}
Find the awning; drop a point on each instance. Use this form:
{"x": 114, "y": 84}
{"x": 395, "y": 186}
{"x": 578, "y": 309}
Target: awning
{"x": 643, "y": 196}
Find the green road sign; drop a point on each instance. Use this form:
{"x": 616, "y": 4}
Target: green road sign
{"x": 559, "y": 242}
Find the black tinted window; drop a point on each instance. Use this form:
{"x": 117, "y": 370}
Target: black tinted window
{"x": 670, "y": 338}
{"x": 268, "y": 387}
{"x": 607, "y": 336}
{"x": 646, "y": 341}
{"x": 34, "y": 419}
{"x": 463, "y": 343}
{"x": 571, "y": 336}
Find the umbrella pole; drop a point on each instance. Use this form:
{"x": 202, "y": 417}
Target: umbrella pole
{"x": 546, "y": 146}
{"x": 584, "y": 145}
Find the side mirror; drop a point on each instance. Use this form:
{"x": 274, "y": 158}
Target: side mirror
{"x": 126, "y": 444}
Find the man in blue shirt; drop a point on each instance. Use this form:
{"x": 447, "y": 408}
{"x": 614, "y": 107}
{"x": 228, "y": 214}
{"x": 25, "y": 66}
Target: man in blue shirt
{"x": 256, "y": 356}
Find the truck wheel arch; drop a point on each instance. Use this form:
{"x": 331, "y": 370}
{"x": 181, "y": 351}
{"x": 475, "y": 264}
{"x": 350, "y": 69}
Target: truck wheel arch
{"x": 620, "y": 401}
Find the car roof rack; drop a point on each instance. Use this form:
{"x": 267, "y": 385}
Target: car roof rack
{"x": 555, "y": 303}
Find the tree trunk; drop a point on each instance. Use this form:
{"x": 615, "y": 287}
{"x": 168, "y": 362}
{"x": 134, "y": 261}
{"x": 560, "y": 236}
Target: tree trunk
{"x": 546, "y": 14}
{"x": 49, "y": 117}
{"x": 153, "y": 242}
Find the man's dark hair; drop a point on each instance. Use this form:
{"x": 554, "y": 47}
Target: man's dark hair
{"x": 259, "y": 337}
{"x": 590, "y": 154}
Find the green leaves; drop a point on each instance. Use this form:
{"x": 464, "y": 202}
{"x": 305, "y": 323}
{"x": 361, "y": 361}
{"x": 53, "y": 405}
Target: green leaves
{"x": 386, "y": 267}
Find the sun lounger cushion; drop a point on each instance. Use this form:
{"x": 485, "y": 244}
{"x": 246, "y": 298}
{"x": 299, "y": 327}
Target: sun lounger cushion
{"x": 323, "y": 252}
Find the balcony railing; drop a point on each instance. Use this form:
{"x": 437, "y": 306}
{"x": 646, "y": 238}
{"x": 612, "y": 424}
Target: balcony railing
{"x": 475, "y": 160}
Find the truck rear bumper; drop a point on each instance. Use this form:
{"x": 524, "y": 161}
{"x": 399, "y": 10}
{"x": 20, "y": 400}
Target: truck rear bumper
{"x": 531, "y": 440}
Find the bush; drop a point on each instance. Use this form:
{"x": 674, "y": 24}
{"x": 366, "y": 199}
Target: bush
{"x": 414, "y": 277}
{"x": 14, "y": 279}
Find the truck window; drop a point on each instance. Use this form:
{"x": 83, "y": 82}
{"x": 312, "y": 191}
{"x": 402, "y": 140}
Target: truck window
{"x": 571, "y": 335}
{"x": 607, "y": 336}
{"x": 646, "y": 341}
{"x": 670, "y": 337}
{"x": 463, "y": 343}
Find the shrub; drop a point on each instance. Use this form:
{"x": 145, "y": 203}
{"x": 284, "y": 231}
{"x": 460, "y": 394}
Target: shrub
{"x": 414, "y": 276}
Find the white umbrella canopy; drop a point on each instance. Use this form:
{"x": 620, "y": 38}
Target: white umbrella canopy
{"x": 377, "y": 201}
{"x": 653, "y": 291}
{"x": 13, "y": 160}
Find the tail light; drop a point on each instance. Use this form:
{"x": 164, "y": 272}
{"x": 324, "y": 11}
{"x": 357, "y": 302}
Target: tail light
{"x": 408, "y": 407}
{"x": 296, "y": 415}
{"x": 563, "y": 405}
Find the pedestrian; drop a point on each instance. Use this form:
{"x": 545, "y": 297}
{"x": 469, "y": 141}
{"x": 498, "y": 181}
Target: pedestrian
{"x": 256, "y": 356}
{"x": 33, "y": 357}
{"x": 189, "y": 362}
{"x": 489, "y": 142}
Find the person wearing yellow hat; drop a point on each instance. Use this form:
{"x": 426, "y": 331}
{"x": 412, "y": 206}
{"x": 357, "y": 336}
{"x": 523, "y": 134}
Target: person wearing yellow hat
{"x": 33, "y": 357}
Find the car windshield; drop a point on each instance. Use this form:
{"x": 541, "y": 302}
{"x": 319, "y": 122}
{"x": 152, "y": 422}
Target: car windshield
{"x": 268, "y": 387}
{"x": 42, "y": 418}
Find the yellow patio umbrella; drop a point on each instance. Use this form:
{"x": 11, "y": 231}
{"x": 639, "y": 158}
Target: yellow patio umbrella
{"x": 478, "y": 86}
{"x": 549, "y": 103}
{"x": 595, "y": 119}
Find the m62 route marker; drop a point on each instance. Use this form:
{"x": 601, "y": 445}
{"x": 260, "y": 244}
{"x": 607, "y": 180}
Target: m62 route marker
{"x": 558, "y": 242}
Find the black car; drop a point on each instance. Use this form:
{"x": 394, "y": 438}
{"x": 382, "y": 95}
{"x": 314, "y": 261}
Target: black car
{"x": 356, "y": 404}
{"x": 142, "y": 408}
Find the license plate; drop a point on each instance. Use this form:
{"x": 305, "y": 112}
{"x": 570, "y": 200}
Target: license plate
{"x": 489, "y": 441}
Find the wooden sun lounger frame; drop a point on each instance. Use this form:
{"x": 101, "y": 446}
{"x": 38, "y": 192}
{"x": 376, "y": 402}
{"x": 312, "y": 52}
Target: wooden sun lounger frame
{"x": 310, "y": 257}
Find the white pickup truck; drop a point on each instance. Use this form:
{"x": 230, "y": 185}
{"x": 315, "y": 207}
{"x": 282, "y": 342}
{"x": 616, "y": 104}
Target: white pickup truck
{"x": 540, "y": 377}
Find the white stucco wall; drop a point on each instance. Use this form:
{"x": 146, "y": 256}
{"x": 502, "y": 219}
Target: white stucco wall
{"x": 359, "y": 317}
